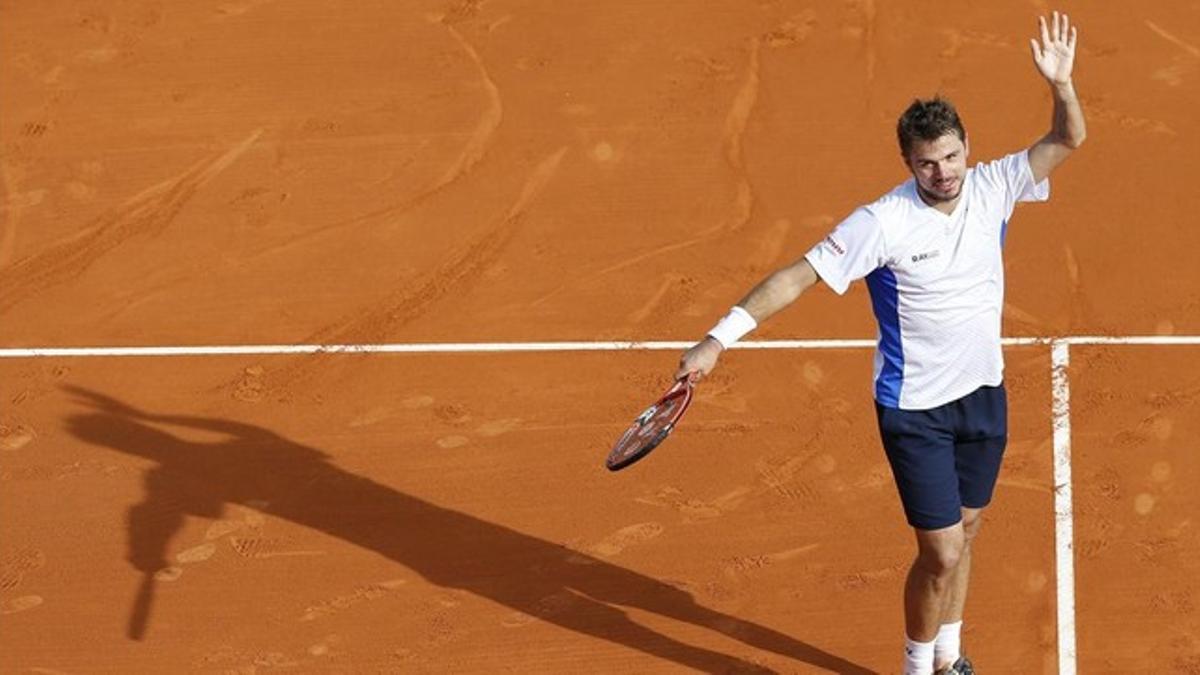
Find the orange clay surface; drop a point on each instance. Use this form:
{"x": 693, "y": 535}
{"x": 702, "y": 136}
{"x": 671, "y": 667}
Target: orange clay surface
{"x": 257, "y": 172}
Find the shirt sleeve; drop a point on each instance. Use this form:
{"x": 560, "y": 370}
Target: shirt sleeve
{"x": 854, "y": 249}
{"x": 1013, "y": 175}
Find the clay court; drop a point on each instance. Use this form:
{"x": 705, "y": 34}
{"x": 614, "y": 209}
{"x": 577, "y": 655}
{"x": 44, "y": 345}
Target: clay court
{"x": 507, "y": 218}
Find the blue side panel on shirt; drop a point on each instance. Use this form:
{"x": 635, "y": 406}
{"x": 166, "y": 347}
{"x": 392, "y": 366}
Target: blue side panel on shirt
{"x": 1003, "y": 231}
{"x": 885, "y": 300}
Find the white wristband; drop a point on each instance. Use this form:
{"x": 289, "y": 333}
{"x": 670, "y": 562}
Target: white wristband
{"x": 733, "y": 327}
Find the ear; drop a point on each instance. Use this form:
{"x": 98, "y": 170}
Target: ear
{"x": 966, "y": 147}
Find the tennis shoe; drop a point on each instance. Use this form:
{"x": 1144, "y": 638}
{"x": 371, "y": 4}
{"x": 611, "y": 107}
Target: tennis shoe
{"x": 960, "y": 667}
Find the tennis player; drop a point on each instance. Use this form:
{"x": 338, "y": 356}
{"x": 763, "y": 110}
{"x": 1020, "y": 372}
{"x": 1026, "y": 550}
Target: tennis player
{"x": 931, "y": 253}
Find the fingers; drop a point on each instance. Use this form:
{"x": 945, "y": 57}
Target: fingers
{"x": 1058, "y": 30}
{"x": 686, "y": 369}
{"x": 696, "y": 362}
{"x": 694, "y": 373}
{"x": 1074, "y": 37}
{"x": 1037, "y": 50}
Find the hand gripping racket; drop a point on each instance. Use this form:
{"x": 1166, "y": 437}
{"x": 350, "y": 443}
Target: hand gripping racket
{"x": 651, "y": 427}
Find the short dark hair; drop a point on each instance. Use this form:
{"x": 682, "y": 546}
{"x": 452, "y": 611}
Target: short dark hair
{"x": 928, "y": 120}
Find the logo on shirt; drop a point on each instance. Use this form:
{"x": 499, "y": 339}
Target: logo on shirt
{"x": 928, "y": 255}
{"x": 836, "y": 245}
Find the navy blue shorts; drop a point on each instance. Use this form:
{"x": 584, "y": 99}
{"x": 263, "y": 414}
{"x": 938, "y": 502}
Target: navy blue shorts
{"x": 947, "y": 457}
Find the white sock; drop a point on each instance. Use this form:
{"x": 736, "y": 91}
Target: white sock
{"x": 948, "y": 644}
{"x": 918, "y": 657}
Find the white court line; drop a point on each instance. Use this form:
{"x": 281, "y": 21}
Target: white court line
{"x": 468, "y": 347}
{"x": 1064, "y": 515}
{"x": 409, "y": 348}
{"x": 1128, "y": 340}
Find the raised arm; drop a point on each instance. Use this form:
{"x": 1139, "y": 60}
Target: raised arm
{"x": 772, "y": 294}
{"x": 1055, "y": 59}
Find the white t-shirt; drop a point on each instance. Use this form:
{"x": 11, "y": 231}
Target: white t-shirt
{"x": 936, "y": 281}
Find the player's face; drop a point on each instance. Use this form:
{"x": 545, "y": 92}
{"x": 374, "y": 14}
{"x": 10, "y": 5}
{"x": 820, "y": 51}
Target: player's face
{"x": 939, "y": 167}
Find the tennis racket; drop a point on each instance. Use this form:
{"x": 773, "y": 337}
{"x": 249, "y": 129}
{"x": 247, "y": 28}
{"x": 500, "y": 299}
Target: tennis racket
{"x": 651, "y": 427}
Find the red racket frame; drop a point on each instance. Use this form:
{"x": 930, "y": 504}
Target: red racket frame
{"x": 620, "y": 456}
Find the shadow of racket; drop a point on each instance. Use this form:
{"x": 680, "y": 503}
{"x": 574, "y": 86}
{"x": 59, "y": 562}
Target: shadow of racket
{"x": 141, "y": 608}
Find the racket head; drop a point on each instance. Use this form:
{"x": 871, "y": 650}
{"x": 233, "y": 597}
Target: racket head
{"x": 651, "y": 427}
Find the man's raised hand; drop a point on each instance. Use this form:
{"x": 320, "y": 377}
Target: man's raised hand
{"x": 1055, "y": 56}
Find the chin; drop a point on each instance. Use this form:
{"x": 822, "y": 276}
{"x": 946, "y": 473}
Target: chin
{"x": 938, "y": 195}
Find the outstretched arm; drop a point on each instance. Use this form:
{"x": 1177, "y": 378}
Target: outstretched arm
{"x": 1055, "y": 59}
{"x": 772, "y": 294}
{"x": 779, "y": 290}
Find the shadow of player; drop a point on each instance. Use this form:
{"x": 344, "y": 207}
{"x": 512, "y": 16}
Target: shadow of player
{"x": 250, "y": 465}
